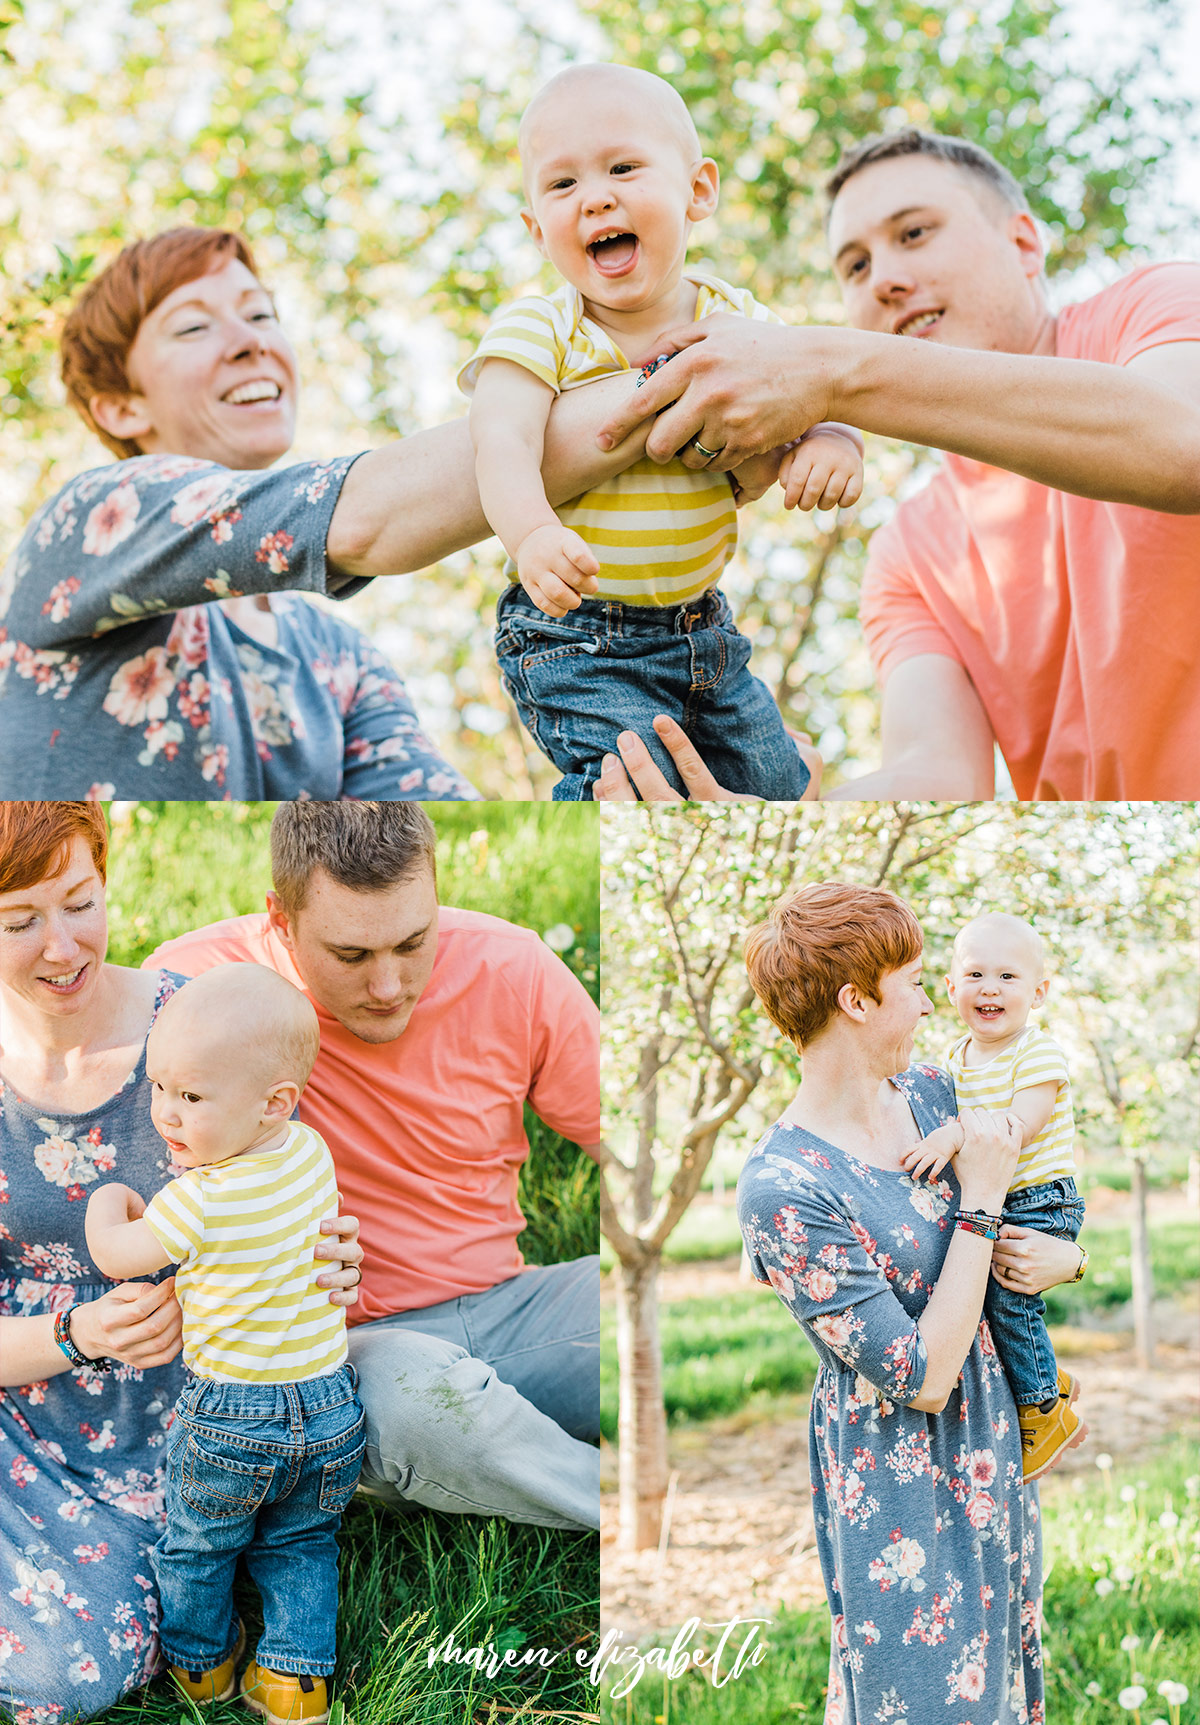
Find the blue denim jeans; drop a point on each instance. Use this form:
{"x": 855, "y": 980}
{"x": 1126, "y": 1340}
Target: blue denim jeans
{"x": 264, "y": 1469}
{"x": 489, "y": 1404}
{"x": 1017, "y": 1321}
{"x": 579, "y": 680}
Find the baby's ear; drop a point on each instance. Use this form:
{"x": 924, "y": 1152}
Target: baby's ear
{"x": 706, "y": 189}
{"x": 534, "y": 231}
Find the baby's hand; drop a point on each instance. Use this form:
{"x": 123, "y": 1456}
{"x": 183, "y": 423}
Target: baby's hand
{"x": 756, "y": 476}
{"x": 927, "y": 1159}
{"x": 555, "y": 567}
{"x": 823, "y": 470}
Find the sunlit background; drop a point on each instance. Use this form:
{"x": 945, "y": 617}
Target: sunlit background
{"x": 367, "y": 151}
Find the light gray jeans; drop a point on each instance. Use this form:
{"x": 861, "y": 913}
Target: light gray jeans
{"x": 489, "y": 1404}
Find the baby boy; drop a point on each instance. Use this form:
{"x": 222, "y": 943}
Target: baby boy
{"x": 268, "y": 1437}
{"x": 615, "y": 177}
{"x": 997, "y": 978}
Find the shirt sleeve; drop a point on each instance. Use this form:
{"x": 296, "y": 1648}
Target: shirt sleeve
{"x": 526, "y": 332}
{"x": 565, "y": 1048}
{"x": 1039, "y": 1060}
{"x": 820, "y": 1265}
{"x": 160, "y": 533}
{"x": 175, "y": 1216}
{"x": 896, "y": 617}
{"x": 1150, "y": 308}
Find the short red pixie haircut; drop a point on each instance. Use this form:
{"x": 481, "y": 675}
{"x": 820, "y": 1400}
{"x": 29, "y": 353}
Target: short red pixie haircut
{"x": 36, "y": 839}
{"x": 105, "y": 319}
{"x": 818, "y": 939}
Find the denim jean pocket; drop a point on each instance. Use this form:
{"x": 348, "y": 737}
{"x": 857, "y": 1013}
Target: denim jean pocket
{"x": 217, "y": 1485}
{"x": 339, "y": 1478}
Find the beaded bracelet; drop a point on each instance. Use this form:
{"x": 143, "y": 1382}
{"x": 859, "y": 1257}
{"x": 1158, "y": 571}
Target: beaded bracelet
{"x": 978, "y": 1222}
{"x": 64, "y": 1339}
{"x": 648, "y": 371}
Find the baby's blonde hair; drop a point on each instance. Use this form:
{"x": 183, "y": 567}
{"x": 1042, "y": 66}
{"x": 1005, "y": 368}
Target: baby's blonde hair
{"x": 269, "y": 1021}
{"x": 653, "y": 90}
{"x": 1014, "y": 925}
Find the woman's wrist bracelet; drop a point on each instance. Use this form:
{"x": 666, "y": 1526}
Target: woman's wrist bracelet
{"x": 978, "y": 1222}
{"x": 62, "y": 1336}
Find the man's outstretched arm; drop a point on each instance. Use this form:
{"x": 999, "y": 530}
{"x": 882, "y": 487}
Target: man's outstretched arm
{"x": 1125, "y": 433}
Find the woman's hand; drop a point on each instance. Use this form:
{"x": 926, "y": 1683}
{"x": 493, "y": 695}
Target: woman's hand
{"x": 635, "y": 773}
{"x": 987, "y": 1161}
{"x": 1027, "y": 1262}
{"x": 137, "y": 1322}
{"x": 348, "y": 1254}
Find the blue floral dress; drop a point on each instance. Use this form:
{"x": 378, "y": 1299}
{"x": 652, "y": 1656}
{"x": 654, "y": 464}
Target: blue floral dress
{"x": 81, "y": 1498}
{"x": 929, "y": 1545}
{"x": 121, "y": 675}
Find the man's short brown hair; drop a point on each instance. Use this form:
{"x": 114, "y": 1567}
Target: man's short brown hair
{"x": 961, "y": 153}
{"x": 818, "y": 939}
{"x": 365, "y": 846}
{"x": 105, "y": 319}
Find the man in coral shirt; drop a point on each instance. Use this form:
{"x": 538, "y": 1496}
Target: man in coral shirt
{"x": 479, "y": 1376}
{"x": 1042, "y": 591}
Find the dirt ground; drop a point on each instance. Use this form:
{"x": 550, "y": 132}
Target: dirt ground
{"x": 741, "y": 1537}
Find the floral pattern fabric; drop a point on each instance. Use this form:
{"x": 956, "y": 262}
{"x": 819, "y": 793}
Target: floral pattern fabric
{"x": 81, "y": 1499}
{"x": 121, "y": 674}
{"x": 929, "y": 1544}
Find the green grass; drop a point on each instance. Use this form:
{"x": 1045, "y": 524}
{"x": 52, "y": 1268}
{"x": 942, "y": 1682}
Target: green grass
{"x": 409, "y": 1580}
{"x": 1091, "y": 1535}
{"x": 720, "y": 1355}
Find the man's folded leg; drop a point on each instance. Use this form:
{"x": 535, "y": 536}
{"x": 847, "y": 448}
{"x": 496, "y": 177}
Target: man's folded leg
{"x": 445, "y": 1432}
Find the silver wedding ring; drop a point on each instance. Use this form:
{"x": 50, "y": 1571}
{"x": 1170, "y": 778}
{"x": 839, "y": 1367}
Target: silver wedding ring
{"x": 708, "y": 454}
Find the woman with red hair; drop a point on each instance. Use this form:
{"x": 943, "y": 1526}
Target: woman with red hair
{"x": 155, "y": 640}
{"x": 929, "y": 1546}
{"x": 89, "y": 1369}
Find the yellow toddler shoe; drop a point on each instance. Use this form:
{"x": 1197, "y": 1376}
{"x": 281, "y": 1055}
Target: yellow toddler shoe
{"x": 1046, "y": 1436}
{"x": 215, "y": 1685}
{"x": 283, "y": 1698}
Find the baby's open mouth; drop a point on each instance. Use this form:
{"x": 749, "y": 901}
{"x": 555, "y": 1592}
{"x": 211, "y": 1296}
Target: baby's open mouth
{"x": 989, "y": 1011}
{"x": 614, "y": 253}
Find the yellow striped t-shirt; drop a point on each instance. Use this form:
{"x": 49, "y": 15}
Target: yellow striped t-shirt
{"x": 243, "y": 1234}
{"x": 662, "y": 533}
{"x": 1034, "y": 1058}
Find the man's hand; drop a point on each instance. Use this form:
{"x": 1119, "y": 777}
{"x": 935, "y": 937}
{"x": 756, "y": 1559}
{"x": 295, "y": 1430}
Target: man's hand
{"x": 556, "y": 568}
{"x": 635, "y": 773}
{"x": 740, "y": 386}
{"x": 347, "y": 1255}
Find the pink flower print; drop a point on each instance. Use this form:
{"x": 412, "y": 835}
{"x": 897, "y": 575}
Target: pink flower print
{"x": 438, "y": 783}
{"x": 92, "y": 1553}
{"x": 981, "y": 1465}
{"x": 98, "y": 1440}
{"x": 58, "y": 605}
{"x": 272, "y": 550}
{"x": 35, "y": 1393}
{"x": 101, "y": 792}
{"x": 189, "y": 635}
{"x": 868, "y": 1631}
{"x": 140, "y": 688}
{"x": 76, "y": 1191}
{"x": 111, "y": 521}
{"x": 213, "y": 763}
{"x": 222, "y": 525}
{"x": 836, "y": 1329}
{"x": 986, "y": 1595}
{"x": 340, "y": 678}
{"x": 787, "y": 1222}
{"x": 820, "y": 1284}
{"x": 54, "y": 1159}
{"x": 910, "y": 1560}
{"x": 782, "y": 1284}
{"x": 84, "y": 1670}
{"x": 161, "y": 739}
{"x": 199, "y": 498}
{"x": 22, "y": 1472}
{"x": 9, "y": 1644}
{"x": 971, "y": 1681}
{"x": 980, "y": 1509}
{"x": 865, "y": 1239}
{"x": 192, "y": 698}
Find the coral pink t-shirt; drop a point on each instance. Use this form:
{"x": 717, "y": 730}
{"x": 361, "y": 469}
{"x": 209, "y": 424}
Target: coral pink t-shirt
{"x": 427, "y": 1132}
{"x": 1078, "y": 622}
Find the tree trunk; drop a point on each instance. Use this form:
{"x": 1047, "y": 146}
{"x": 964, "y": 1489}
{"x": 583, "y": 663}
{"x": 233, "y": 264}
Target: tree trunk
{"x": 1140, "y": 1272}
{"x": 642, "y": 1434}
